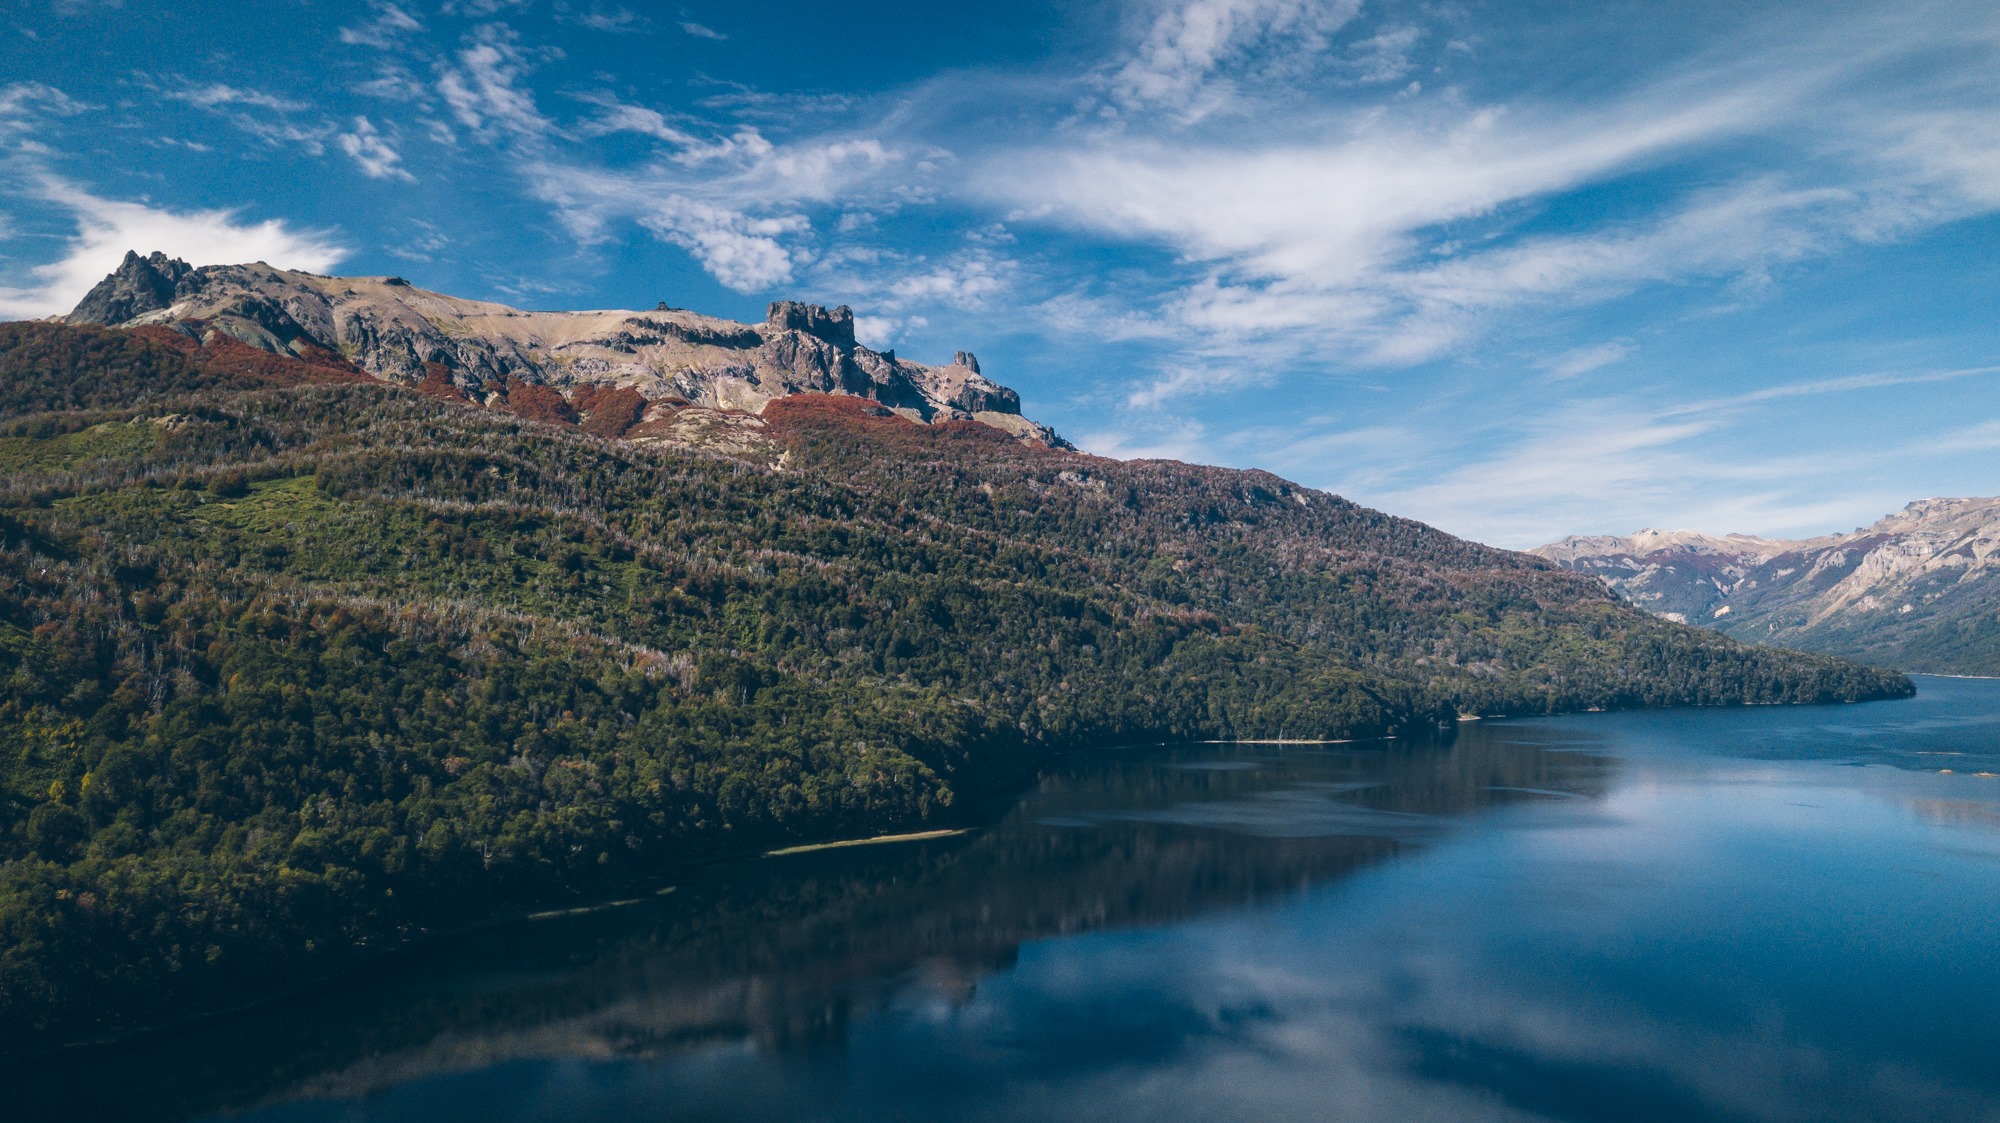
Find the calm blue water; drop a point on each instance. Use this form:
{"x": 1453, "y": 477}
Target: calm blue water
{"x": 1769, "y": 914}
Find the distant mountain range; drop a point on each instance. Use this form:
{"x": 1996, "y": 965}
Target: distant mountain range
{"x": 1919, "y": 590}
{"x": 499, "y": 356}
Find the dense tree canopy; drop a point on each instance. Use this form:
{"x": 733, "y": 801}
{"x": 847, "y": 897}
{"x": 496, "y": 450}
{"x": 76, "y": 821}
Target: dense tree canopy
{"x": 295, "y": 667}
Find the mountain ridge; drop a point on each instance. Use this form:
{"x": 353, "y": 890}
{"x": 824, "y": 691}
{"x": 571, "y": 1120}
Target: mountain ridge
{"x": 674, "y": 359}
{"x": 1918, "y": 589}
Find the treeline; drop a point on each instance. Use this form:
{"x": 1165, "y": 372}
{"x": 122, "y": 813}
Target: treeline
{"x": 294, "y": 668}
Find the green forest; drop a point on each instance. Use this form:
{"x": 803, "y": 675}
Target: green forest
{"x": 297, "y": 667}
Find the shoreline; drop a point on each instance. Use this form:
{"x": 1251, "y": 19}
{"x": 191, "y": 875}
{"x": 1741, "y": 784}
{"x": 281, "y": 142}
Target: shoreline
{"x": 878, "y": 840}
{"x": 1288, "y": 741}
{"x": 1941, "y": 674}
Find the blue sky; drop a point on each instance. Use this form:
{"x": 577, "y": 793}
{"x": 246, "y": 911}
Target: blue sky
{"x": 1519, "y": 269}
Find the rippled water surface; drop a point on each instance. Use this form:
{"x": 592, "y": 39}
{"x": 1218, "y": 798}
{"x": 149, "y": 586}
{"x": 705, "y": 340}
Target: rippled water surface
{"x": 1768, "y": 914}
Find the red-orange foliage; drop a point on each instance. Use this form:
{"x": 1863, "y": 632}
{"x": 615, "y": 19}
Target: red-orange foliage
{"x": 437, "y": 383}
{"x": 609, "y": 411}
{"x": 224, "y": 355}
{"x": 537, "y": 402}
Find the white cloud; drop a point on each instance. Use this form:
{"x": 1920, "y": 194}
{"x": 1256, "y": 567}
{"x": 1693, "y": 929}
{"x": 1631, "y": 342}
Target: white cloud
{"x": 1611, "y": 465}
{"x": 702, "y": 31}
{"x": 390, "y": 27}
{"x": 1583, "y": 360}
{"x": 425, "y": 242}
{"x": 614, "y": 20}
{"x": 1384, "y": 57}
{"x": 1176, "y": 385}
{"x": 218, "y": 94}
{"x": 1340, "y": 210}
{"x": 107, "y": 228}
{"x": 737, "y": 238}
{"x": 269, "y": 117}
{"x": 882, "y": 332}
{"x": 618, "y": 117}
{"x": 1393, "y": 232}
{"x": 377, "y": 158}
{"x": 310, "y": 138}
{"x": 741, "y": 251}
{"x": 394, "y": 82}
{"x": 1189, "y": 44}
{"x": 479, "y": 9}
{"x": 746, "y": 143}
{"x": 969, "y": 280}
{"x": 22, "y": 103}
{"x": 732, "y": 204}
{"x": 482, "y": 89}
{"x": 1872, "y": 381}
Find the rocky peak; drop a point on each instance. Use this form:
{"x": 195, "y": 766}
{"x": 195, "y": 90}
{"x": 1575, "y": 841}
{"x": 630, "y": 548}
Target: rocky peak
{"x": 835, "y": 326}
{"x": 671, "y": 358}
{"x": 139, "y": 285}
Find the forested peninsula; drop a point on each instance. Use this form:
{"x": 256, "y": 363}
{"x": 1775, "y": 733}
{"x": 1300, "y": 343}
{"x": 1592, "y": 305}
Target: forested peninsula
{"x": 298, "y": 665}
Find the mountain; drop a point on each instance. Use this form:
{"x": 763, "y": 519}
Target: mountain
{"x": 1919, "y": 590}
{"x": 553, "y": 365}
{"x": 298, "y": 664}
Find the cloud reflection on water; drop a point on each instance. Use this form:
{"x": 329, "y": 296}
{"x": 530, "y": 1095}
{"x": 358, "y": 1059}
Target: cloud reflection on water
{"x": 1695, "y": 916}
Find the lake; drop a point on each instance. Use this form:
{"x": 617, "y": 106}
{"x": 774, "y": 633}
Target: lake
{"x": 1752, "y": 914}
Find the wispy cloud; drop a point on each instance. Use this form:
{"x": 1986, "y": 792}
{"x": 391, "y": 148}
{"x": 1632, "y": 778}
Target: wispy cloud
{"x": 1181, "y": 382}
{"x": 24, "y": 104}
{"x": 107, "y": 228}
{"x": 275, "y": 120}
{"x": 613, "y": 19}
{"x": 484, "y": 89}
{"x": 396, "y": 83}
{"x": 104, "y": 229}
{"x": 479, "y": 9}
{"x": 218, "y": 94}
{"x": 1583, "y": 360}
{"x": 1395, "y": 231}
{"x": 1872, "y": 381}
{"x": 391, "y": 28}
{"x": 1185, "y": 57}
{"x": 1612, "y": 464}
{"x": 736, "y": 223}
{"x": 700, "y": 30}
{"x": 373, "y": 153}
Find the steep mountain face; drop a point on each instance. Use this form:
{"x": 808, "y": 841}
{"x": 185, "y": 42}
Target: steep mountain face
{"x": 672, "y": 359}
{"x": 1919, "y": 590}
{"x": 298, "y": 665}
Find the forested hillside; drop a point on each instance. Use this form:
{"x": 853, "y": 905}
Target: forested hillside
{"x": 296, "y": 666}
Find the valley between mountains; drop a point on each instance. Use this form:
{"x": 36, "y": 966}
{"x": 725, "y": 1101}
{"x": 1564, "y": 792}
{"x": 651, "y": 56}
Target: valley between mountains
{"x": 335, "y": 613}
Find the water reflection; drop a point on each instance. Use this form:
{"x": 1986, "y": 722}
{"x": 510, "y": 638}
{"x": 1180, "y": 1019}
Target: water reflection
{"x": 1621, "y": 917}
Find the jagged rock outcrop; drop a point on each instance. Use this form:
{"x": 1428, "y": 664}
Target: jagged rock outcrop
{"x": 1919, "y": 590}
{"x": 835, "y": 326}
{"x": 675, "y": 359}
{"x": 139, "y": 285}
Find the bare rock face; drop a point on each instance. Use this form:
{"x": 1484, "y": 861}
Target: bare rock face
{"x": 1919, "y": 590}
{"x": 483, "y": 352}
{"x": 139, "y": 285}
{"x": 835, "y": 327}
